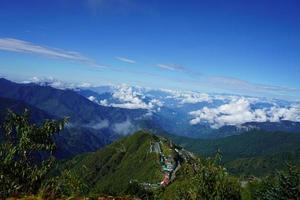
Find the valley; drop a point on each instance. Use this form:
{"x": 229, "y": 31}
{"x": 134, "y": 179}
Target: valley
{"x": 117, "y": 151}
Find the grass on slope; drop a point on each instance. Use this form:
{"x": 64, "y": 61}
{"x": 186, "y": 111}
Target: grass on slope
{"x": 110, "y": 170}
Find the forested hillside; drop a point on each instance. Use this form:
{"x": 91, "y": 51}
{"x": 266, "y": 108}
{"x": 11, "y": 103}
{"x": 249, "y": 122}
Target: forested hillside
{"x": 253, "y": 153}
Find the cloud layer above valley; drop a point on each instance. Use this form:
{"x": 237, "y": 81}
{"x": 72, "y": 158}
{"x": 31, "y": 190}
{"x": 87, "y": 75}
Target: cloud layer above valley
{"x": 128, "y": 97}
{"x": 240, "y": 111}
{"x": 217, "y": 110}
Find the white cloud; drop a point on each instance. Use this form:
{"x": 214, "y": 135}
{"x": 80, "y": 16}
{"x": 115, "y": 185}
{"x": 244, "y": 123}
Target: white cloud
{"x": 292, "y": 113}
{"x": 92, "y": 98}
{"x": 242, "y": 86}
{"x": 98, "y": 125}
{"x": 171, "y": 67}
{"x": 131, "y": 99}
{"x": 50, "y": 81}
{"x": 20, "y": 46}
{"x": 156, "y": 102}
{"x": 196, "y": 98}
{"x": 127, "y": 60}
{"x": 239, "y": 111}
{"x": 130, "y": 105}
{"x": 124, "y": 96}
{"x": 103, "y": 102}
{"x": 84, "y": 85}
{"x": 189, "y": 97}
{"x": 55, "y": 83}
{"x": 124, "y": 128}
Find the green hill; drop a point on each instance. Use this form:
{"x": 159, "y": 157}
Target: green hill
{"x": 109, "y": 171}
{"x": 150, "y": 167}
{"x": 253, "y": 153}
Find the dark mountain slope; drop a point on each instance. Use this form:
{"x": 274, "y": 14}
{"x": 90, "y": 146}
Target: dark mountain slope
{"x": 71, "y": 141}
{"x": 283, "y": 126}
{"x": 36, "y": 114}
{"x": 63, "y": 103}
{"x": 90, "y": 126}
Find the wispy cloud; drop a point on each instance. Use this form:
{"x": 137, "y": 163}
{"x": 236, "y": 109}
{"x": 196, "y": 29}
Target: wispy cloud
{"x": 171, "y": 67}
{"x": 228, "y": 84}
{"x": 192, "y": 79}
{"x": 21, "y": 46}
{"x": 238, "y": 84}
{"x": 221, "y": 84}
{"x": 127, "y": 60}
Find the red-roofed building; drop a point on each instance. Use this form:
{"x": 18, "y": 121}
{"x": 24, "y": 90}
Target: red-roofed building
{"x": 166, "y": 180}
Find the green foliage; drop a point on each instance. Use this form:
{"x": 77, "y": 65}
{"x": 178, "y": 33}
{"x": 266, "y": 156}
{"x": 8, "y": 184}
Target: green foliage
{"x": 67, "y": 184}
{"x": 204, "y": 179}
{"x": 212, "y": 182}
{"x": 110, "y": 170}
{"x": 135, "y": 189}
{"x": 285, "y": 185}
{"x": 256, "y": 153}
{"x": 122, "y": 168}
{"x": 25, "y": 153}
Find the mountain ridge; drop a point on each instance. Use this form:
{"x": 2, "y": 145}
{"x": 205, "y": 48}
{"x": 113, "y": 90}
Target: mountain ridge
{"x": 91, "y": 126}
{"x": 135, "y": 158}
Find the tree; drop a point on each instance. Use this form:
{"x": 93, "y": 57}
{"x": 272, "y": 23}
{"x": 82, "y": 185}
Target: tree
{"x": 213, "y": 182}
{"x": 26, "y": 153}
{"x": 285, "y": 185}
{"x": 209, "y": 181}
{"x": 67, "y": 185}
{"x": 135, "y": 189}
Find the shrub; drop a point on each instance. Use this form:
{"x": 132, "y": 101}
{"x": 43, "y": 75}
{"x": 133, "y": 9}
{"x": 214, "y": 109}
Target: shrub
{"x": 25, "y": 153}
{"x": 285, "y": 185}
{"x": 210, "y": 181}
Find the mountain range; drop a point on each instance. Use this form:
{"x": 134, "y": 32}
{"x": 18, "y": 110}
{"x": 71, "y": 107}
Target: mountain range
{"x": 158, "y": 140}
{"x": 194, "y": 114}
{"x": 90, "y": 127}
{"x": 100, "y": 115}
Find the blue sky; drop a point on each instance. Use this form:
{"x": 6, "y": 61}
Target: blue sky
{"x": 226, "y": 46}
